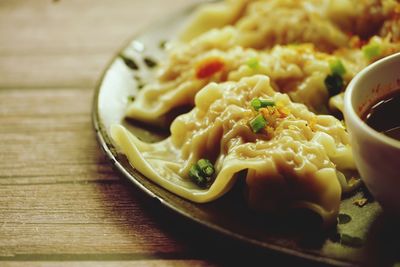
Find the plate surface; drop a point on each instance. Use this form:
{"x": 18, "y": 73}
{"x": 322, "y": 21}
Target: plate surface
{"x": 362, "y": 236}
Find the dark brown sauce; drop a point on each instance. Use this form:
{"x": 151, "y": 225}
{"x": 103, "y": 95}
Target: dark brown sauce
{"x": 384, "y": 115}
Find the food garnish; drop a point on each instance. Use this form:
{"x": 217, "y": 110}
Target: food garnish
{"x": 151, "y": 63}
{"x": 337, "y": 67}
{"x": 268, "y": 113}
{"x": 334, "y": 84}
{"x": 209, "y": 67}
{"x": 258, "y": 103}
{"x": 163, "y": 44}
{"x": 253, "y": 63}
{"x": 129, "y": 62}
{"x": 258, "y": 123}
{"x": 371, "y": 50}
{"x": 201, "y": 173}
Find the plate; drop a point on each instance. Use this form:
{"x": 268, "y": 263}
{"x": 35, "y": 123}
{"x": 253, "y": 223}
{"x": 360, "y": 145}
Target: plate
{"x": 362, "y": 235}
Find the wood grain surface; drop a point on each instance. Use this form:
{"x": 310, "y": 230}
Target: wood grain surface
{"x": 61, "y": 203}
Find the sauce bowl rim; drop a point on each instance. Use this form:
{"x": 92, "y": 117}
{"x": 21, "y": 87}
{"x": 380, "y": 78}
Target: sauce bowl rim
{"x": 349, "y": 110}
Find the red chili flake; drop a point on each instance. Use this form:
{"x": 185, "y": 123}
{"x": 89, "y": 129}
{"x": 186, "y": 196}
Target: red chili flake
{"x": 356, "y": 42}
{"x": 209, "y": 67}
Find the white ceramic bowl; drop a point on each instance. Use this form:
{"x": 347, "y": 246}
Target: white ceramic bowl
{"x": 377, "y": 156}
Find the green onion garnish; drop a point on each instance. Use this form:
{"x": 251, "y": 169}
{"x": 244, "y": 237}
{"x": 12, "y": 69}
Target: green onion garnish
{"x": 206, "y": 167}
{"x": 129, "y": 62}
{"x": 162, "y": 44}
{"x": 337, "y": 67}
{"x": 258, "y": 103}
{"x": 151, "y": 63}
{"x": 196, "y": 176}
{"x": 334, "y": 84}
{"x": 258, "y": 123}
{"x": 253, "y": 63}
{"x": 371, "y": 50}
{"x": 201, "y": 173}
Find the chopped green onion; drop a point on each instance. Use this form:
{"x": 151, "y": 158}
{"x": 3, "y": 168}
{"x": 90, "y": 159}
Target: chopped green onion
{"x": 162, "y": 44}
{"x": 151, "y": 63}
{"x": 267, "y": 103}
{"x": 334, "y": 84}
{"x": 337, "y": 67}
{"x": 129, "y": 62}
{"x": 201, "y": 173}
{"x": 140, "y": 85}
{"x": 258, "y": 123}
{"x": 206, "y": 167}
{"x": 258, "y": 103}
{"x": 371, "y": 50}
{"x": 253, "y": 63}
{"x": 195, "y": 175}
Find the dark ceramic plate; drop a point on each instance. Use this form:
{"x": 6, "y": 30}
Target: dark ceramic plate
{"x": 362, "y": 235}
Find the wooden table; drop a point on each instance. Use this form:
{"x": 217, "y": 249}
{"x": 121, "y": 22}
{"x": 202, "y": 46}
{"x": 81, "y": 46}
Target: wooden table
{"x": 61, "y": 202}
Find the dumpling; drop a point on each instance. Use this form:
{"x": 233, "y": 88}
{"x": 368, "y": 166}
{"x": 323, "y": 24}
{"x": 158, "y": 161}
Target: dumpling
{"x": 213, "y": 15}
{"x": 180, "y": 77}
{"x": 293, "y": 160}
{"x": 328, "y": 24}
{"x": 298, "y": 70}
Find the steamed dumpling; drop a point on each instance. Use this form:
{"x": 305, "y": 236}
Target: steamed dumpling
{"x": 328, "y": 24}
{"x": 292, "y": 162}
{"x": 299, "y": 70}
{"x": 291, "y": 41}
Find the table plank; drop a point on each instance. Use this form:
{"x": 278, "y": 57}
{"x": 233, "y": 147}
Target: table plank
{"x": 108, "y": 222}
{"x": 47, "y": 136}
{"x": 104, "y": 222}
{"x": 78, "y": 70}
{"x": 44, "y": 27}
{"x": 78, "y": 218}
{"x": 68, "y": 43}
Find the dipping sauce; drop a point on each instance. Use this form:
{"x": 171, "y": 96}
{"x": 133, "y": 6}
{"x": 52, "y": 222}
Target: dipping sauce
{"x": 384, "y": 116}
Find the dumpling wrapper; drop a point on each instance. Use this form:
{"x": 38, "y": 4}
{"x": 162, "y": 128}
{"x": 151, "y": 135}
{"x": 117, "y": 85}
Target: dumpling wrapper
{"x": 295, "y": 165}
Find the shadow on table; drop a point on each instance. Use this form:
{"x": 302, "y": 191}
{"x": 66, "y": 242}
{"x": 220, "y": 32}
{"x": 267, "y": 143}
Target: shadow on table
{"x": 195, "y": 241}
